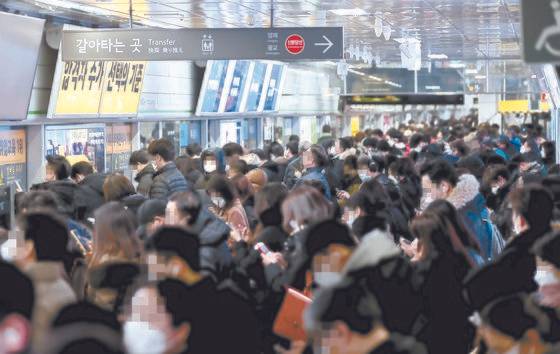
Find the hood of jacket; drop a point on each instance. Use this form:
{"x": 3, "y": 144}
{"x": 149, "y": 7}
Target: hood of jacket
{"x": 95, "y": 181}
{"x": 466, "y": 190}
{"x": 133, "y": 200}
{"x": 168, "y": 167}
{"x": 374, "y": 247}
{"x": 211, "y": 230}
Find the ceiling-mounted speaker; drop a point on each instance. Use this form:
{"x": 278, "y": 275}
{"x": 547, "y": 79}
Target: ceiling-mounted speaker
{"x": 53, "y": 35}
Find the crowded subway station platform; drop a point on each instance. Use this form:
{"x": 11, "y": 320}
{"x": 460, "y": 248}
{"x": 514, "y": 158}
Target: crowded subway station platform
{"x": 279, "y": 177}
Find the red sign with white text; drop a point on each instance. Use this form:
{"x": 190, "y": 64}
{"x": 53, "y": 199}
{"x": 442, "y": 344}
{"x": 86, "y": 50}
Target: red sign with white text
{"x": 295, "y": 44}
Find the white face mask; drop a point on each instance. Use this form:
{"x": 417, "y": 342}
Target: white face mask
{"x": 332, "y": 150}
{"x": 546, "y": 277}
{"x": 327, "y": 279}
{"x": 219, "y": 202}
{"x": 364, "y": 175}
{"x": 141, "y": 338}
{"x": 295, "y": 226}
{"x": 8, "y": 250}
{"x": 209, "y": 167}
{"x": 495, "y": 190}
{"x": 524, "y": 149}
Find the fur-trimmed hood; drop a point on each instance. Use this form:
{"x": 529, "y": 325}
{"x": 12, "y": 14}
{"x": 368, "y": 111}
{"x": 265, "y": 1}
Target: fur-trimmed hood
{"x": 374, "y": 247}
{"x": 466, "y": 190}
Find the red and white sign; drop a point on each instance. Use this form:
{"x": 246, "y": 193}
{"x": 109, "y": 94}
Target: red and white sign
{"x": 295, "y": 44}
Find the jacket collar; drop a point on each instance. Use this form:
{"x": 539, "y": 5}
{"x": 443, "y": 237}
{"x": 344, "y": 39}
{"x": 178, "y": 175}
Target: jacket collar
{"x": 466, "y": 190}
{"x": 168, "y": 166}
{"x": 148, "y": 170}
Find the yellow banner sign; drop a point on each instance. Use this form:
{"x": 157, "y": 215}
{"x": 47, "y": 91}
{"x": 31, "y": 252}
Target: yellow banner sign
{"x": 97, "y": 87}
{"x": 80, "y": 87}
{"x": 119, "y": 138}
{"x": 354, "y": 125}
{"x": 122, "y": 87}
{"x": 12, "y": 147}
{"x": 513, "y": 106}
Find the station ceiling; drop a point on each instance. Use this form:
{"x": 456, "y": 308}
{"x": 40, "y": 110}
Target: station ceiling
{"x": 466, "y": 30}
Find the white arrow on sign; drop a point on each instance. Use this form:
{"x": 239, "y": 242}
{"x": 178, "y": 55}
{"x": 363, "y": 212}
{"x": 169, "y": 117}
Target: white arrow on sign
{"x": 328, "y": 44}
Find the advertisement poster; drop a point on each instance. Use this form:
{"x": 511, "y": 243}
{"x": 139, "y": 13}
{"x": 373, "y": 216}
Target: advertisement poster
{"x": 13, "y": 156}
{"x": 211, "y": 93}
{"x": 77, "y": 143}
{"x": 256, "y": 87}
{"x": 238, "y": 82}
{"x": 119, "y": 147}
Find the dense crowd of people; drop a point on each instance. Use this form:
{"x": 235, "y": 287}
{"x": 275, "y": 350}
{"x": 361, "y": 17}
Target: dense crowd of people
{"x": 426, "y": 239}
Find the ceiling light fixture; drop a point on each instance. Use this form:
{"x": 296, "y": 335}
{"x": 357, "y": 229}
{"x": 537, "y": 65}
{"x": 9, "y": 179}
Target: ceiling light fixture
{"x": 438, "y": 56}
{"x": 471, "y": 71}
{"x": 349, "y": 12}
{"x": 378, "y": 24}
{"x": 480, "y": 77}
{"x": 387, "y": 32}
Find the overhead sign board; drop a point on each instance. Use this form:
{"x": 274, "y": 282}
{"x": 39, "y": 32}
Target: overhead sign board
{"x": 541, "y": 31}
{"x": 283, "y": 44}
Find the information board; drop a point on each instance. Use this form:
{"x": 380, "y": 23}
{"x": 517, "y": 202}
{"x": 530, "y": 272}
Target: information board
{"x": 119, "y": 147}
{"x": 13, "y": 156}
{"x": 153, "y": 44}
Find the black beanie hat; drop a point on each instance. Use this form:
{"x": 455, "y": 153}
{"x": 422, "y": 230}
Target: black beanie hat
{"x": 326, "y": 233}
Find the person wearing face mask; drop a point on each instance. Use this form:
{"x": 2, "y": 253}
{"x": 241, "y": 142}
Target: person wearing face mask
{"x": 548, "y": 272}
{"x": 232, "y": 152}
{"x": 16, "y": 312}
{"x": 315, "y": 161}
{"x": 515, "y": 268}
{"x": 328, "y": 245}
{"x": 268, "y": 203}
{"x": 143, "y": 171}
{"x": 548, "y": 155}
{"x": 347, "y": 319}
{"x": 158, "y": 319}
{"x": 365, "y": 167}
{"x": 41, "y": 257}
{"x": 187, "y": 210}
{"x": 174, "y": 253}
{"x": 351, "y": 182}
{"x": 90, "y": 194}
{"x": 464, "y": 193}
{"x": 227, "y": 206}
{"x": 167, "y": 179}
{"x": 497, "y": 183}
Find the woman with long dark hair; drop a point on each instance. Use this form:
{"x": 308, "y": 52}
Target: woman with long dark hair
{"x": 442, "y": 263}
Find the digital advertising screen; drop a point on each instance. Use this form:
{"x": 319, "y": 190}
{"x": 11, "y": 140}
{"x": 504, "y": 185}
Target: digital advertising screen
{"x": 212, "y": 87}
{"x": 237, "y": 87}
{"x": 274, "y": 88}
{"x": 77, "y": 143}
{"x": 256, "y": 87}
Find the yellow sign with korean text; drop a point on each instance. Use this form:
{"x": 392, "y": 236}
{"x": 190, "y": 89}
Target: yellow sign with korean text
{"x": 12, "y": 147}
{"x": 122, "y": 86}
{"x": 80, "y": 87}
